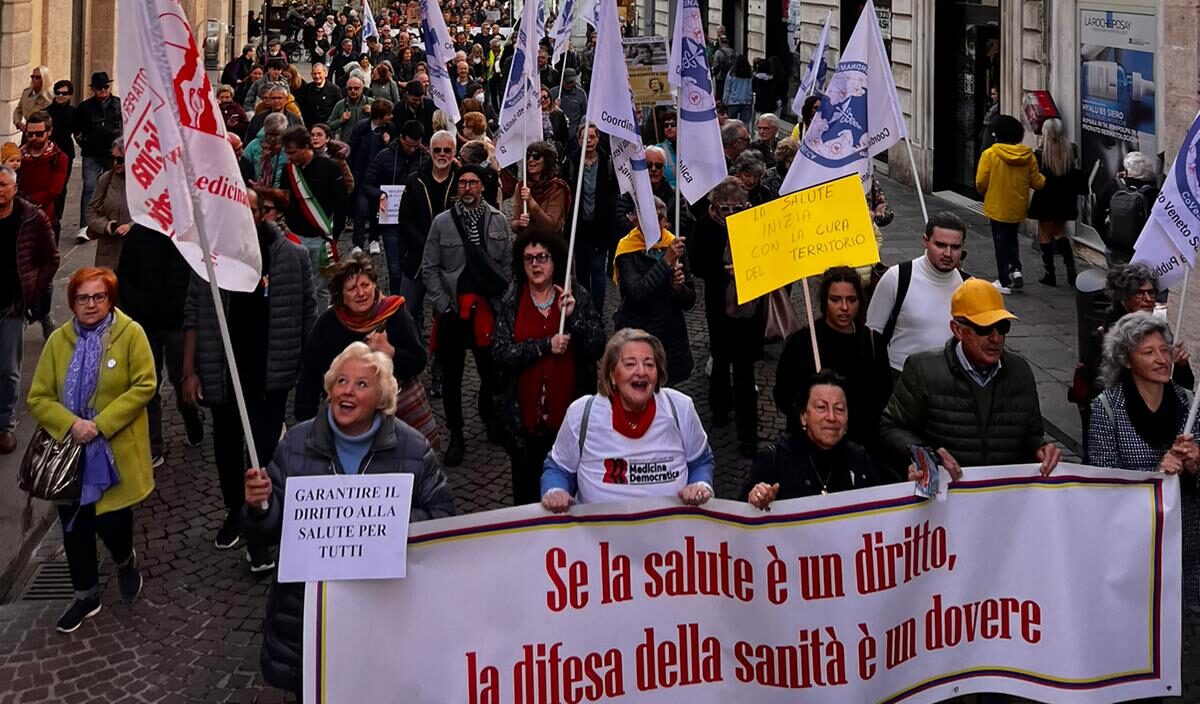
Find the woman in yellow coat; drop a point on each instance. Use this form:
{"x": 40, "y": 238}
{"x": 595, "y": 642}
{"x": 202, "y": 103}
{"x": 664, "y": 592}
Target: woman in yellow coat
{"x": 1007, "y": 171}
{"x": 93, "y": 381}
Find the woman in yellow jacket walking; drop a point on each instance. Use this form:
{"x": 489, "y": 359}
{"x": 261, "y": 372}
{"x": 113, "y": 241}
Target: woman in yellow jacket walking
{"x": 93, "y": 381}
{"x": 1007, "y": 170}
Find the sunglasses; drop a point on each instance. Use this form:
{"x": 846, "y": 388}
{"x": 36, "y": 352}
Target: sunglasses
{"x": 118, "y": 160}
{"x": 1001, "y": 327}
{"x": 535, "y": 156}
{"x": 540, "y": 258}
{"x": 62, "y": 94}
{"x": 442, "y": 150}
{"x": 654, "y": 166}
{"x": 32, "y": 133}
{"x": 731, "y": 209}
{"x": 669, "y": 125}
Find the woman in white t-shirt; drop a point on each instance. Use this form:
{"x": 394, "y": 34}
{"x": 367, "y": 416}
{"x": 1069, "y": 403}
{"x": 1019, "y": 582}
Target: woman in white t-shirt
{"x": 635, "y": 438}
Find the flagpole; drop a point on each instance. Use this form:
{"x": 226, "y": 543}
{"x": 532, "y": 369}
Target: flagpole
{"x": 917, "y": 179}
{"x": 525, "y": 151}
{"x": 562, "y": 321}
{"x": 812, "y": 328}
{"x": 222, "y": 323}
{"x": 678, "y": 143}
{"x": 1182, "y": 295}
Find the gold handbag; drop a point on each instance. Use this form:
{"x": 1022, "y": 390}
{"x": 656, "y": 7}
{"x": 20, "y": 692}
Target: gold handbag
{"x": 52, "y": 469}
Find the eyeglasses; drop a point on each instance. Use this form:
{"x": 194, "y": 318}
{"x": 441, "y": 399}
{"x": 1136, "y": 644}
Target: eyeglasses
{"x": 442, "y": 150}
{"x": 1001, "y": 327}
{"x": 62, "y": 93}
{"x": 655, "y": 166}
{"x": 470, "y": 183}
{"x": 540, "y": 258}
{"x": 83, "y": 299}
{"x": 1146, "y": 293}
{"x": 669, "y": 125}
{"x": 732, "y": 208}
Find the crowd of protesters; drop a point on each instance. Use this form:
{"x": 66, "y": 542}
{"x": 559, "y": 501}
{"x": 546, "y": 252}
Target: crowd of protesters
{"x": 476, "y": 261}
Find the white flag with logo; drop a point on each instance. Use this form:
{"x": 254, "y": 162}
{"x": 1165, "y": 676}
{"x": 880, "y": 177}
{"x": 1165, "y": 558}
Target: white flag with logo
{"x": 814, "y": 75}
{"x": 701, "y": 159}
{"x": 610, "y": 109}
{"x": 591, "y": 12}
{"x": 521, "y": 112}
{"x": 1170, "y": 241}
{"x": 439, "y": 48}
{"x": 561, "y": 34}
{"x": 368, "y": 25}
{"x": 859, "y": 117}
{"x": 176, "y": 156}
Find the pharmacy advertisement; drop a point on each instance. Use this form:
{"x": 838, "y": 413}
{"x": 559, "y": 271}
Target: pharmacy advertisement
{"x": 1116, "y": 92}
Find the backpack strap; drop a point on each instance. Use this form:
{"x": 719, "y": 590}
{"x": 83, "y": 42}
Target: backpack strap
{"x": 1108, "y": 410}
{"x": 905, "y": 280}
{"x": 674, "y": 412}
{"x": 583, "y": 423}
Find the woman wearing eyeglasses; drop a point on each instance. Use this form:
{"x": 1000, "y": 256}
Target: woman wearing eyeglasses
{"x": 542, "y": 203}
{"x": 93, "y": 381}
{"x": 107, "y": 214}
{"x": 543, "y": 371}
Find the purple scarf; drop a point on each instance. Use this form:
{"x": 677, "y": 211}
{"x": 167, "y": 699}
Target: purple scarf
{"x": 79, "y": 388}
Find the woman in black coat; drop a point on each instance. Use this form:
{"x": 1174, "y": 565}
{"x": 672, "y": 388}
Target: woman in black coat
{"x": 816, "y": 459}
{"x": 1057, "y": 203}
{"x": 847, "y": 347}
{"x": 656, "y": 289}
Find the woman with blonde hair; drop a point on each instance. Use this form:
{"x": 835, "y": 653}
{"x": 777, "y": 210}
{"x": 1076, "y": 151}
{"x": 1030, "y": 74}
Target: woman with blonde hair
{"x": 1056, "y": 203}
{"x": 36, "y": 97}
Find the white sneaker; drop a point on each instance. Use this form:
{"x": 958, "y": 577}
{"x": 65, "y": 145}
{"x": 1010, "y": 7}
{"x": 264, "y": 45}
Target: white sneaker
{"x": 81, "y": 237}
{"x": 1002, "y": 288}
{"x": 356, "y": 250}
{"x": 374, "y": 248}
{"x": 1017, "y": 280}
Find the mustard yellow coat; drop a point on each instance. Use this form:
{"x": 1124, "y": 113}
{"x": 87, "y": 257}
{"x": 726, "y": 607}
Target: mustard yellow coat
{"x": 127, "y": 383}
{"x": 1006, "y": 173}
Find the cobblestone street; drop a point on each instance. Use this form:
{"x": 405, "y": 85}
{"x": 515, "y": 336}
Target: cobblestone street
{"x": 193, "y": 635}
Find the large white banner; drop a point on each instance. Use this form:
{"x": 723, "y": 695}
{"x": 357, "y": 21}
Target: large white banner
{"x": 1170, "y": 241}
{"x": 1063, "y": 589}
{"x": 181, "y": 173}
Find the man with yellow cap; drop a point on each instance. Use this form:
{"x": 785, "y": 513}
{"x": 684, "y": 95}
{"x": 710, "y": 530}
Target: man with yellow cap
{"x": 973, "y": 402}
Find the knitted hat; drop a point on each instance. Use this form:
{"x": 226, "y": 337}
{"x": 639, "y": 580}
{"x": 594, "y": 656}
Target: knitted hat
{"x": 8, "y": 150}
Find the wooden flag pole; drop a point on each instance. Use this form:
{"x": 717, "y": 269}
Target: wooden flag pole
{"x": 812, "y": 328}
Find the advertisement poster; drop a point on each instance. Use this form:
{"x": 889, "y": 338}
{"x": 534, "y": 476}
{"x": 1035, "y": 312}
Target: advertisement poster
{"x": 1116, "y": 93}
{"x": 646, "y": 59}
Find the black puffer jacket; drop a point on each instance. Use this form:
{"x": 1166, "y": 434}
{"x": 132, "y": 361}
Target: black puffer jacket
{"x": 308, "y": 451}
{"x": 154, "y": 279}
{"x": 292, "y": 310}
{"x": 649, "y": 303}
{"x": 936, "y": 404}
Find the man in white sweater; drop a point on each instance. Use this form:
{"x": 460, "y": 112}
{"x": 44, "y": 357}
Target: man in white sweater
{"x": 910, "y": 307}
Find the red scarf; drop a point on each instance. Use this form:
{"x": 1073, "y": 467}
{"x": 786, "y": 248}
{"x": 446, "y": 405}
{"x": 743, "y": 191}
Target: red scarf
{"x": 478, "y": 311}
{"x": 547, "y": 387}
{"x": 377, "y": 317}
{"x": 632, "y": 425}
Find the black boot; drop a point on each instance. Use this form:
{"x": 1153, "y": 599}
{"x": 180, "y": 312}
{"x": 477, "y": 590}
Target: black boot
{"x": 1048, "y": 261}
{"x": 454, "y": 451}
{"x": 1063, "y": 245}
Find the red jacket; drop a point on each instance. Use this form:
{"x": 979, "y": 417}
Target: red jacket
{"x": 43, "y": 178}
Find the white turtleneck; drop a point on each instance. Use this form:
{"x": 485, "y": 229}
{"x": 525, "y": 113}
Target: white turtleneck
{"x": 924, "y": 320}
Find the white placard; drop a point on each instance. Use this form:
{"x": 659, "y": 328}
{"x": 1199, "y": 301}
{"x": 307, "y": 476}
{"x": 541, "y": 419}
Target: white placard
{"x": 389, "y": 204}
{"x": 344, "y": 527}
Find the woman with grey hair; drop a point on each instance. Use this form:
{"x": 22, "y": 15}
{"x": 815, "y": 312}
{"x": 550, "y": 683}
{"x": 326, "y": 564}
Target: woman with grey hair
{"x": 355, "y": 432}
{"x": 785, "y": 153}
{"x": 749, "y": 168}
{"x": 655, "y": 431}
{"x": 1138, "y": 424}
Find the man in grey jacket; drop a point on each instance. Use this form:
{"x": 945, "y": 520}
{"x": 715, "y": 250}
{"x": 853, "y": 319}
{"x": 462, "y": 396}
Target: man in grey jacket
{"x": 267, "y": 328}
{"x": 466, "y": 269}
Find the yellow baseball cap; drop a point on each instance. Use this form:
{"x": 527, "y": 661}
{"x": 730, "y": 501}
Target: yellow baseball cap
{"x": 979, "y": 302}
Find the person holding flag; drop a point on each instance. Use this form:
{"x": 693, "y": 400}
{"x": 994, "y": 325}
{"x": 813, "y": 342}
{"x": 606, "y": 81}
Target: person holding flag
{"x": 699, "y": 156}
{"x": 520, "y": 113}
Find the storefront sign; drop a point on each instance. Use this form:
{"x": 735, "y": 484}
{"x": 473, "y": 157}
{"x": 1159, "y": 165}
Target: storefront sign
{"x": 1063, "y": 590}
{"x": 1116, "y": 93}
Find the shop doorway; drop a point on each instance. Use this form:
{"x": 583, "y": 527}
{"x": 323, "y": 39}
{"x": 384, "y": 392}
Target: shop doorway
{"x": 966, "y": 69}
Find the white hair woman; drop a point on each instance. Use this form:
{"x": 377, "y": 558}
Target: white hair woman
{"x": 37, "y": 96}
{"x": 1137, "y": 423}
{"x": 634, "y": 438}
{"x": 355, "y": 432}
{"x": 1056, "y": 203}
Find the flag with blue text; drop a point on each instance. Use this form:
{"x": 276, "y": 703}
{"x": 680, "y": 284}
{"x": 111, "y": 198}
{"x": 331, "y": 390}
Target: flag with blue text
{"x": 439, "y": 48}
{"x": 701, "y": 160}
{"x": 368, "y": 25}
{"x": 859, "y": 117}
{"x": 521, "y": 111}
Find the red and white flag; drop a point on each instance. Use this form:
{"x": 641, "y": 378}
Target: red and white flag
{"x": 176, "y": 156}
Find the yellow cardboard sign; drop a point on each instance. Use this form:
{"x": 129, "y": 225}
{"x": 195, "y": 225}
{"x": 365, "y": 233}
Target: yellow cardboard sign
{"x": 800, "y": 235}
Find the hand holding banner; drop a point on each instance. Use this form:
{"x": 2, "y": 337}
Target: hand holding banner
{"x": 800, "y": 235}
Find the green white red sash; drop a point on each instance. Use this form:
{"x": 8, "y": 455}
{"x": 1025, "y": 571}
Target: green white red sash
{"x": 313, "y": 212}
